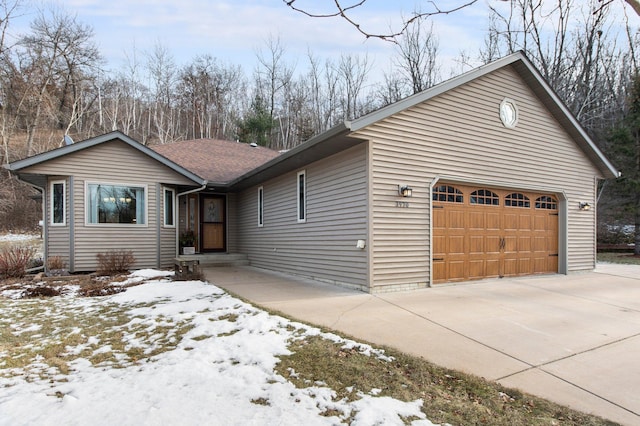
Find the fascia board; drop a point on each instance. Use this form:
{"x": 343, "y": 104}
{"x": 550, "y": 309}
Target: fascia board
{"x": 16, "y": 166}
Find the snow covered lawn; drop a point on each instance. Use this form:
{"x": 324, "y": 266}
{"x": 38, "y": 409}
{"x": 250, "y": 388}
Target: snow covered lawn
{"x": 167, "y": 353}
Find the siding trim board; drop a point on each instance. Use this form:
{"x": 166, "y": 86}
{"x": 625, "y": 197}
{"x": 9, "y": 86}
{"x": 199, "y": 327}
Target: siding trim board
{"x": 72, "y": 225}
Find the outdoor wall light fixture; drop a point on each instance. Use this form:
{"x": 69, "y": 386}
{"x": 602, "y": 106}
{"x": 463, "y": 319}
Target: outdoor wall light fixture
{"x": 584, "y": 206}
{"x": 405, "y": 191}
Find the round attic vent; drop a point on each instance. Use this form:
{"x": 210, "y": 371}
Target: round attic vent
{"x": 509, "y": 113}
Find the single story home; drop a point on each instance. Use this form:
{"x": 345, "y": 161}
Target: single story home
{"x": 484, "y": 175}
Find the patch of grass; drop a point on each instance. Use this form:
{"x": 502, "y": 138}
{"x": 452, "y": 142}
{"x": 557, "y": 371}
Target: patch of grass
{"x": 260, "y": 401}
{"x": 41, "y": 337}
{"x": 199, "y": 338}
{"x": 624, "y": 258}
{"x": 448, "y": 396}
{"x": 228, "y": 317}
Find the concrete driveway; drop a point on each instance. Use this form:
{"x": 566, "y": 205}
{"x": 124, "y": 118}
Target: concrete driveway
{"x": 572, "y": 339}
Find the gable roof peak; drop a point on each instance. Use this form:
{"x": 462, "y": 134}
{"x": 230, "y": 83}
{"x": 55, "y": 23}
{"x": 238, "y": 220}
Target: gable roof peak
{"x": 536, "y": 82}
{"x": 98, "y": 140}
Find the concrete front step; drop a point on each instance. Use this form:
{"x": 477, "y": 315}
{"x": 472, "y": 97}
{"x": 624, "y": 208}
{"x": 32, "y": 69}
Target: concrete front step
{"x": 217, "y": 259}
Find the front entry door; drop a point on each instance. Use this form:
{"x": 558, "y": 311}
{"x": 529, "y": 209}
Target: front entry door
{"x": 213, "y": 223}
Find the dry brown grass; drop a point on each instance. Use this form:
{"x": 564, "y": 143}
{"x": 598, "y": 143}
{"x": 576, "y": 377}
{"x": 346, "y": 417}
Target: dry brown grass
{"x": 37, "y": 335}
{"x": 449, "y": 396}
{"x": 624, "y": 258}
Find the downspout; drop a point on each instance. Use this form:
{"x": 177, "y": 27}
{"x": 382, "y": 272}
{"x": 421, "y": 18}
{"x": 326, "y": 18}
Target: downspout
{"x": 44, "y": 223}
{"x": 191, "y": 191}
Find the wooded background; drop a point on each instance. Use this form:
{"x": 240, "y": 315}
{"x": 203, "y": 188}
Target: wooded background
{"x": 53, "y": 82}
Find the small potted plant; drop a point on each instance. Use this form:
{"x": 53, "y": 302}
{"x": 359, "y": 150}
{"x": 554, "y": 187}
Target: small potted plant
{"x": 188, "y": 242}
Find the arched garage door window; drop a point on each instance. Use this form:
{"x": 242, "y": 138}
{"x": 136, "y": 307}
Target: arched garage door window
{"x": 546, "y": 202}
{"x": 485, "y": 196}
{"x": 517, "y": 200}
{"x": 448, "y": 194}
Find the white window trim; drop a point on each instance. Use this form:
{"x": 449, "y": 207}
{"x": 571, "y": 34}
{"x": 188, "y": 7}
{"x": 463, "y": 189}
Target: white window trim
{"x": 87, "y": 213}
{"x": 260, "y": 207}
{"x": 64, "y": 202}
{"x": 302, "y": 173}
{"x": 164, "y": 209}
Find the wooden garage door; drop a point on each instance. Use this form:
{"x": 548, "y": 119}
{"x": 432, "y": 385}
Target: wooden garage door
{"x": 485, "y": 232}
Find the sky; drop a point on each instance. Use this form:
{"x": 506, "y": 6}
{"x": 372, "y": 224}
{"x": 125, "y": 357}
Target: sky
{"x": 215, "y": 375}
{"x": 234, "y": 30}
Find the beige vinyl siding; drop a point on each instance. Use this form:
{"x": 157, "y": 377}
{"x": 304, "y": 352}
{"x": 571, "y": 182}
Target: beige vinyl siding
{"x": 323, "y": 247}
{"x": 459, "y": 134}
{"x": 232, "y": 225}
{"x": 58, "y": 235}
{"x": 114, "y": 163}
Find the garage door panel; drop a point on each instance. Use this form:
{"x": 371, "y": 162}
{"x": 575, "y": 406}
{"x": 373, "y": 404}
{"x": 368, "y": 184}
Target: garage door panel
{"x": 456, "y": 245}
{"x": 492, "y": 268}
{"x": 492, "y": 244}
{"x": 540, "y": 223}
{"x": 439, "y": 269}
{"x": 510, "y": 244}
{"x": 525, "y": 266}
{"x": 510, "y": 266}
{"x": 510, "y": 222}
{"x": 476, "y": 244}
{"x": 439, "y": 219}
{"x": 476, "y": 269}
{"x": 456, "y": 270}
{"x": 493, "y": 221}
{"x": 524, "y": 222}
{"x": 476, "y": 221}
{"x": 439, "y": 245}
{"x": 540, "y": 264}
{"x": 524, "y": 244}
{"x": 491, "y": 239}
{"x": 456, "y": 219}
{"x": 539, "y": 244}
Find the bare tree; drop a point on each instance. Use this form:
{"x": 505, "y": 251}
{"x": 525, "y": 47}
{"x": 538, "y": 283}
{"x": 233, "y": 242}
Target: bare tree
{"x": 353, "y": 71}
{"x": 273, "y": 76}
{"x": 8, "y": 10}
{"x": 51, "y": 67}
{"x": 575, "y": 49}
{"x": 418, "y": 57}
{"x": 207, "y": 90}
{"x": 163, "y": 75}
{"x": 345, "y": 10}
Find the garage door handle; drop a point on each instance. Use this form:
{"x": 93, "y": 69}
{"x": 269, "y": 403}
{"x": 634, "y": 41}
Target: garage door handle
{"x": 503, "y": 243}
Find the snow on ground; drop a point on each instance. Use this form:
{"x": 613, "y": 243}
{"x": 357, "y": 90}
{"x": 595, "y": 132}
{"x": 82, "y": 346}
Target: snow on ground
{"x": 17, "y": 237}
{"x": 218, "y": 374}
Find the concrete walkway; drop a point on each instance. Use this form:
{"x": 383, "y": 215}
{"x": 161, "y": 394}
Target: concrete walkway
{"x": 572, "y": 339}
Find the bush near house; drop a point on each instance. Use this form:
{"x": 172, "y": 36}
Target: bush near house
{"x": 115, "y": 262}
{"x": 15, "y": 260}
{"x": 616, "y": 234}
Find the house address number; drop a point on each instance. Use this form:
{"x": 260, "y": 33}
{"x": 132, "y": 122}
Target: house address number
{"x": 402, "y": 204}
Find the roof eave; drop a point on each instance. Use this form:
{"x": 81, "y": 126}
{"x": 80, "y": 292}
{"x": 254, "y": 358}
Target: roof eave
{"x": 570, "y": 122}
{"x": 16, "y": 166}
{"x": 542, "y": 89}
